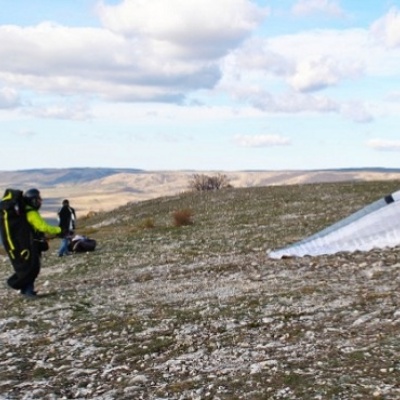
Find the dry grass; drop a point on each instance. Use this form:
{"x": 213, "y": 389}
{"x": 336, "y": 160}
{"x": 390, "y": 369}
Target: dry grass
{"x": 202, "y": 313}
{"x": 182, "y": 217}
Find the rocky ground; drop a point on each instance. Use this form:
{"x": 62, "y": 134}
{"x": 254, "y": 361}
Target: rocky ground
{"x": 200, "y": 311}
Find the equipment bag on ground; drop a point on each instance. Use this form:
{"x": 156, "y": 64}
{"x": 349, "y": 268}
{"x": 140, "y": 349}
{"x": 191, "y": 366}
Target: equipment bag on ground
{"x": 81, "y": 244}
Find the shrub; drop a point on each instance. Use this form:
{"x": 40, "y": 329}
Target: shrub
{"x": 182, "y": 217}
{"x": 201, "y": 182}
{"x": 147, "y": 223}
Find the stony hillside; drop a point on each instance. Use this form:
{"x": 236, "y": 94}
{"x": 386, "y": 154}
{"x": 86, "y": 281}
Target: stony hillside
{"x": 200, "y": 312}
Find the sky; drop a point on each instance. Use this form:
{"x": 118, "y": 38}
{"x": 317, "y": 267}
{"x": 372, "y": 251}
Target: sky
{"x": 200, "y": 84}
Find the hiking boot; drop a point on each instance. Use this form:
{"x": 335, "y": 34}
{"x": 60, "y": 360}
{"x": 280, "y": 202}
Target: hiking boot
{"x": 30, "y": 295}
{"x": 29, "y": 291}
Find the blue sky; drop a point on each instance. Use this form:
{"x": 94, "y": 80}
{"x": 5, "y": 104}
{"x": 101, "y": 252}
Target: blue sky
{"x": 200, "y": 84}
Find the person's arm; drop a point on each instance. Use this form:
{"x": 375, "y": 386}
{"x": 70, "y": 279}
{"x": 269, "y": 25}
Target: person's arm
{"x": 39, "y": 224}
{"x": 73, "y": 218}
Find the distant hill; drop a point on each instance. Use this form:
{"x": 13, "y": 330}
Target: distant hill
{"x": 52, "y": 176}
{"x": 103, "y": 189}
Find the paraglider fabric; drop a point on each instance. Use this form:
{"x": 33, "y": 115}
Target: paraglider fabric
{"x": 374, "y": 226}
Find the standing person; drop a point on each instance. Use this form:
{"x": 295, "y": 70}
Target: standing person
{"x": 67, "y": 223}
{"x": 26, "y": 245}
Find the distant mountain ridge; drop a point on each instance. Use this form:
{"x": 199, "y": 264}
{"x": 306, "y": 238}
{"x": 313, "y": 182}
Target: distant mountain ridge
{"x": 55, "y": 176}
{"x": 60, "y": 176}
{"x": 103, "y": 189}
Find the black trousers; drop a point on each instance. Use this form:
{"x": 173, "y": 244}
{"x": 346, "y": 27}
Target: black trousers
{"x": 25, "y": 271}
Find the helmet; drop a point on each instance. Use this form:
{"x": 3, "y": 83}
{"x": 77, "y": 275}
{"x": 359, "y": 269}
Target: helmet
{"x": 32, "y": 198}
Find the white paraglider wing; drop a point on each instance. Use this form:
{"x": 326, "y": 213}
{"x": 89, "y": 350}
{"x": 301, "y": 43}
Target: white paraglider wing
{"x": 374, "y": 226}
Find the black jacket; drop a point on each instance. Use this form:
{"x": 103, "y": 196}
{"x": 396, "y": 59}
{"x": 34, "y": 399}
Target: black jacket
{"x": 67, "y": 219}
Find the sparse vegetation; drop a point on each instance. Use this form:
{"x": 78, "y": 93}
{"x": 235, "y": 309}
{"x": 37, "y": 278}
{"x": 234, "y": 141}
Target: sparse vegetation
{"x": 202, "y": 313}
{"x": 182, "y": 217}
{"x": 147, "y": 223}
{"x": 202, "y": 182}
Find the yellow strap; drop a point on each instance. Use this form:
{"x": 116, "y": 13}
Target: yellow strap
{"x": 25, "y": 254}
{"x": 7, "y": 196}
{"x": 7, "y": 229}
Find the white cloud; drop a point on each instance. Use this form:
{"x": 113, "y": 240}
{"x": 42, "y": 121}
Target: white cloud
{"x": 393, "y": 97}
{"x": 196, "y": 28}
{"x": 321, "y": 72}
{"x": 9, "y": 98}
{"x": 51, "y": 58}
{"x": 284, "y": 73}
{"x": 307, "y": 7}
{"x": 356, "y": 111}
{"x": 171, "y": 55}
{"x": 261, "y": 140}
{"x": 384, "y": 145}
{"x": 149, "y": 51}
{"x": 307, "y": 62}
{"x": 294, "y": 102}
{"x": 288, "y": 102}
{"x": 256, "y": 54}
{"x": 387, "y": 29}
{"x": 76, "y": 112}
{"x": 327, "y": 63}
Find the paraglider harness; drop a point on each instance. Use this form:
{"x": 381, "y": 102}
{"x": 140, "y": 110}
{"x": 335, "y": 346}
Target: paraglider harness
{"x": 17, "y": 235}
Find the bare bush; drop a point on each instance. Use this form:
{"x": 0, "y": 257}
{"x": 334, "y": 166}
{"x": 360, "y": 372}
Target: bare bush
{"x": 202, "y": 182}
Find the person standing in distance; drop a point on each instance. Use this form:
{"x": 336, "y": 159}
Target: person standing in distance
{"x": 24, "y": 278}
{"x": 67, "y": 223}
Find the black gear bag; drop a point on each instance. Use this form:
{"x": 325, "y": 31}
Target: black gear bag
{"x": 16, "y": 233}
{"x": 81, "y": 244}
